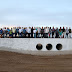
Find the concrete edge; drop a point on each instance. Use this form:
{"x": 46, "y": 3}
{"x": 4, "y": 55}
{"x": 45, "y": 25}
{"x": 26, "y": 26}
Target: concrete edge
{"x": 41, "y": 53}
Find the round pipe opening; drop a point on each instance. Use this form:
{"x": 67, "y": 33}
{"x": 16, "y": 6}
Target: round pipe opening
{"x": 59, "y": 46}
{"x": 49, "y": 46}
{"x": 39, "y": 46}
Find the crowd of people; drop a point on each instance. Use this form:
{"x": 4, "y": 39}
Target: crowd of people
{"x": 36, "y": 32}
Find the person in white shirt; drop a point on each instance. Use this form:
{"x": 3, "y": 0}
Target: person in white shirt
{"x": 4, "y": 32}
{"x": 67, "y": 32}
{"x": 22, "y": 29}
{"x": 20, "y": 32}
{"x": 28, "y": 31}
{"x": 46, "y": 32}
{"x": 39, "y": 31}
{"x": 14, "y": 31}
{"x": 35, "y": 31}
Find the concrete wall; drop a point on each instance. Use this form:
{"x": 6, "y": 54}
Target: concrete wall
{"x": 30, "y": 44}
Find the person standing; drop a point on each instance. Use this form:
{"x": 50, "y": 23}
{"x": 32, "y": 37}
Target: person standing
{"x": 42, "y": 32}
{"x": 69, "y": 32}
{"x": 4, "y": 32}
{"x": 53, "y": 31}
{"x": 8, "y": 30}
{"x": 57, "y": 33}
{"x": 20, "y": 32}
{"x": 13, "y": 31}
{"x": 10, "y": 33}
{"x": 1, "y": 32}
{"x": 39, "y": 31}
{"x": 46, "y": 32}
{"x": 60, "y": 33}
{"x": 24, "y": 33}
{"x": 63, "y": 32}
{"x": 28, "y": 31}
{"x": 17, "y": 32}
{"x": 32, "y": 32}
{"x": 50, "y": 32}
{"x": 35, "y": 31}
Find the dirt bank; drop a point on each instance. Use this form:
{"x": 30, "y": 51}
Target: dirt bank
{"x": 16, "y": 62}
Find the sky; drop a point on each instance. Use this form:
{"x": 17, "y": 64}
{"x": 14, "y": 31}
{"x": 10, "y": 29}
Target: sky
{"x": 36, "y": 13}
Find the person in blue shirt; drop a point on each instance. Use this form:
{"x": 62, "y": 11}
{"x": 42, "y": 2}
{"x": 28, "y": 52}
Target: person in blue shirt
{"x": 17, "y": 31}
{"x": 24, "y": 32}
{"x": 8, "y": 30}
{"x": 1, "y": 32}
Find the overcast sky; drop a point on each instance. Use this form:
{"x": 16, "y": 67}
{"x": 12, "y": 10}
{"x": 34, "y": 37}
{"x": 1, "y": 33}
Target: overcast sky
{"x": 36, "y": 13}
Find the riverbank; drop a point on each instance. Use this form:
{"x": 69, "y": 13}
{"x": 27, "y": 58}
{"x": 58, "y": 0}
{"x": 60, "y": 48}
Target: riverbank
{"x": 17, "y": 62}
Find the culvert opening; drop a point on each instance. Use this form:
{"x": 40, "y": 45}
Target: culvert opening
{"x": 59, "y": 46}
{"x": 49, "y": 46}
{"x": 39, "y": 46}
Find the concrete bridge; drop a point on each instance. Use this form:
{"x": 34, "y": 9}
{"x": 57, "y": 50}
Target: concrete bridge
{"x": 36, "y": 45}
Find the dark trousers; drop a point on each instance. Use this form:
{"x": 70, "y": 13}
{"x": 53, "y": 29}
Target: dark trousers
{"x": 42, "y": 35}
{"x": 28, "y": 35}
{"x": 31, "y": 35}
{"x": 36, "y": 35}
{"x": 67, "y": 35}
{"x": 13, "y": 34}
{"x": 46, "y": 35}
{"x": 52, "y": 34}
{"x": 57, "y": 35}
{"x": 24, "y": 35}
{"x": 16, "y": 34}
